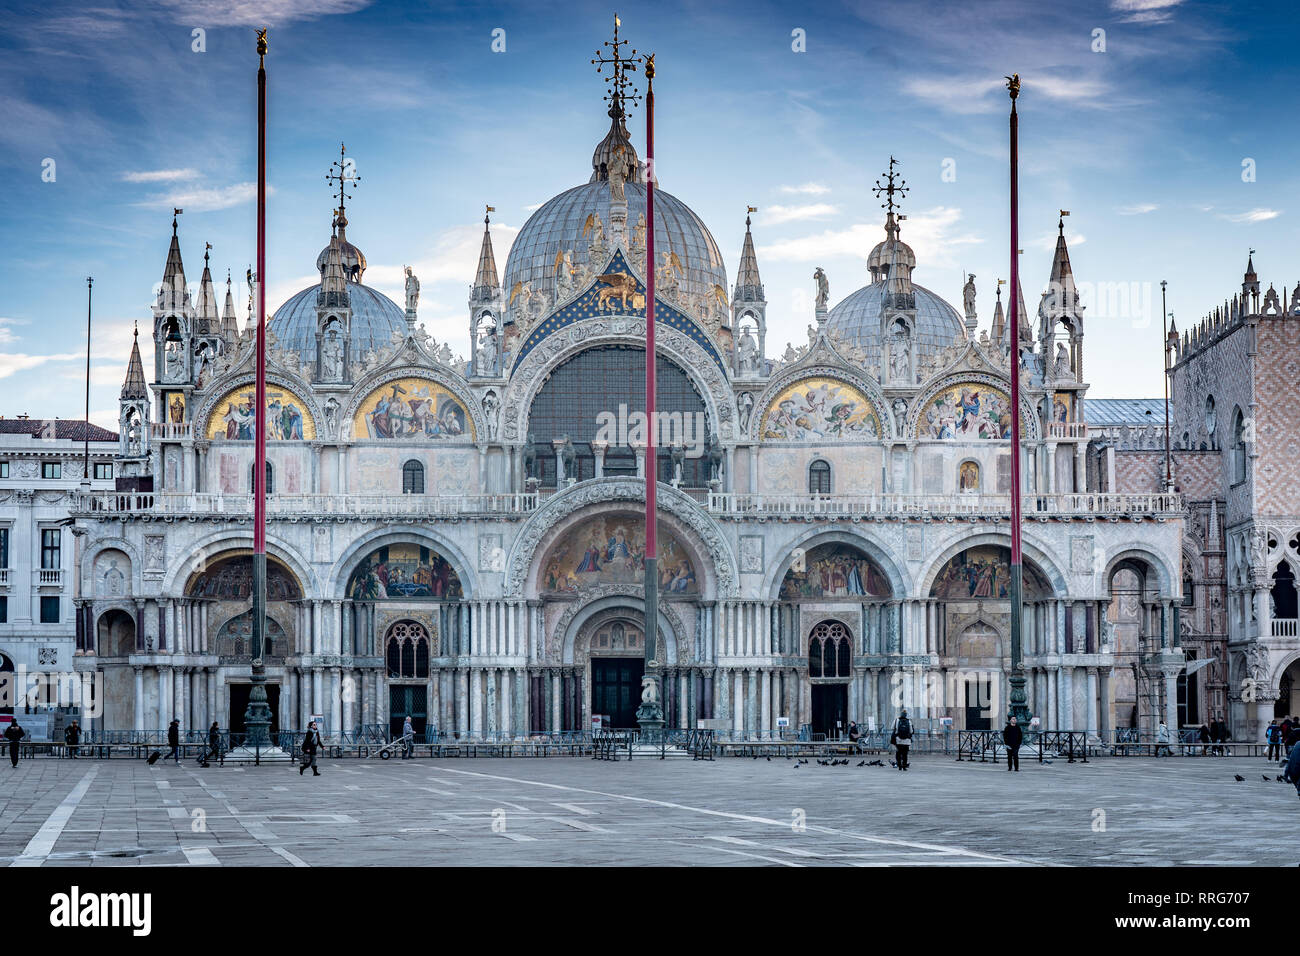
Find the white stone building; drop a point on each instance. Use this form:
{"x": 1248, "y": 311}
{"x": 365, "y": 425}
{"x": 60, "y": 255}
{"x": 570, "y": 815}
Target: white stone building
{"x": 461, "y": 541}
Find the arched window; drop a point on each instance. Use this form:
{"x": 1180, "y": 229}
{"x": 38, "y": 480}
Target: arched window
{"x": 413, "y": 478}
{"x": 408, "y": 650}
{"x": 819, "y": 478}
{"x": 1283, "y": 592}
{"x": 1238, "y": 447}
{"x": 270, "y": 479}
{"x": 830, "y": 651}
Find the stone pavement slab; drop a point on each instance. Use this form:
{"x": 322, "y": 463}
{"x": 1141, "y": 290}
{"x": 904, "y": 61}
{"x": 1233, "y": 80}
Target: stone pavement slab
{"x": 578, "y": 812}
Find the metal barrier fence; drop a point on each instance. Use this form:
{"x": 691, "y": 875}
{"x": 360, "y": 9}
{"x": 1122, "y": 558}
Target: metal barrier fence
{"x": 986, "y": 745}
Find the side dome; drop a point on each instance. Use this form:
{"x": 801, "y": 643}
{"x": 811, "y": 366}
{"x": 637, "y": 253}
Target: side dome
{"x": 375, "y": 317}
{"x": 856, "y": 319}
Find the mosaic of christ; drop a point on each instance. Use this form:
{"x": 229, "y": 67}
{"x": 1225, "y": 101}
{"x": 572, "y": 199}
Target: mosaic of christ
{"x": 820, "y": 409}
{"x": 611, "y": 550}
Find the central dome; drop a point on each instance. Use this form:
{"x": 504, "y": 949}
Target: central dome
{"x": 558, "y": 226}
{"x": 857, "y": 318}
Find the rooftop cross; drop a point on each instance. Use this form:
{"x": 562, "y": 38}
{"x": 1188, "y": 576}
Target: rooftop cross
{"x": 891, "y": 187}
{"x": 346, "y": 173}
{"x": 621, "y": 91}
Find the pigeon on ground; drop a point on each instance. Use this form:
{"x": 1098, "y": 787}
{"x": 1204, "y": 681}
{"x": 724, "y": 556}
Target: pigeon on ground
{"x": 862, "y": 763}
{"x": 1238, "y": 777}
{"x": 1265, "y": 778}
{"x": 893, "y": 763}
{"x": 769, "y": 759}
{"x": 1281, "y": 779}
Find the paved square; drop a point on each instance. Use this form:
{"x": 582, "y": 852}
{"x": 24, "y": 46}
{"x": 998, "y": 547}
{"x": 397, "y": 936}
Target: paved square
{"x": 735, "y": 811}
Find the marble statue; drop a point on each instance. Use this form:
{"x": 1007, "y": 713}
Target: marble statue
{"x": 490, "y": 408}
{"x": 968, "y": 294}
{"x": 412, "y": 290}
{"x": 746, "y": 403}
{"x": 823, "y": 288}
{"x": 748, "y": 352}
{"x": 331, "y": 357}
{"x": 530, "y": 458}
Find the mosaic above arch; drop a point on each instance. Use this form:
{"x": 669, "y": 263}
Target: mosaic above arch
{"x": 402, "y": 571}
{"x": 984, "y": 573}
{"x": 412, "y": 408}
{"x": 966, "y": 411}
{"x": 820, "y": 409}
{"x": 233, "y": 416}
{"x": 610, "y": 549}
{"x": 230, "y": 578}
{"x": 833, "y": 570}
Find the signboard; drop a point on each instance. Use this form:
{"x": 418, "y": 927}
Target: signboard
{"x": 599, "y": 722}
{"x": 783, "y": 722}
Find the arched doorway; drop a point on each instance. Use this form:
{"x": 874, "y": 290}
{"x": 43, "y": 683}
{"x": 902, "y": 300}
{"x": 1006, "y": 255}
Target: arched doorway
{"x": 407, "y": 649}
{"x": 1288, "y": 700}
{"x": 1283, "y": 593}
{"x": 115, "y": 634}
{"x": 616, "y": 648}
{"x": 830, "y": 668}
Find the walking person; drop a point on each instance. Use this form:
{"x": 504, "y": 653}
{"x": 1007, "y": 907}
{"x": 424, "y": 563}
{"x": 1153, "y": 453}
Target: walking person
{"x": 72, "y": 737}
{"x": 901, "y": 738}
{"x": 1013, "y": 736}
{"x": 1203, "y": 735}
{"x": 1292, "y": 772}
{"x": 214, "y": 743}
{"x": 408, "y": 744}
{"x": 13, "y": 734}
{"x": 311, "y": 744}
{"x": 1273, "y": 734}
{"x": 1162, "y": 740}
{"x": 174, "y": 739}
{"x": 1219, "y": 733}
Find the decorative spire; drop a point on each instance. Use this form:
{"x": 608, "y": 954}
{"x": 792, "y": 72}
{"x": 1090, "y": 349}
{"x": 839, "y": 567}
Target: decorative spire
{"x": 134, "y": 388}
{"x": 1250, "y": 266}
{"x": 1061, "y": 298}
{"x": 207, "y": 310}
{"x": 333, "y": 283}
{"x": 616, "y": 152}
{"x": 173, "y": 294}
{"x": 486, "y": 283}
{"x": 620, "y": 91}
{"x": 749, "y": 286}
{"x": 229, "y": 324}
{"x": 999, "y": 331}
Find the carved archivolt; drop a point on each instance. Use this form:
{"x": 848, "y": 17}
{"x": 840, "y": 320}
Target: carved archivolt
{"x": 590, "y": 597}
{"x": 563, "y": 344}
{"x": 584, "y": 494}
{"x": 790, "y": 375}
{"x": 427, "y": 369}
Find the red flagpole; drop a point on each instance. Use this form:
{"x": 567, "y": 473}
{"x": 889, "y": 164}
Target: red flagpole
{"x": 259, "y": 463}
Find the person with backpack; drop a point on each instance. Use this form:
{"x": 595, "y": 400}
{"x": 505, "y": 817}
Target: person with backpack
{"x": 1273, "y": 734}
{"x": 72, "y": 737}
{"x": 311, "y": 745}
{"x": 901, "y": 738}
{"x": 1013, "y": 737}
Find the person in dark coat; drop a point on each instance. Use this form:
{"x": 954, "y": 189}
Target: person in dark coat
{"x": 1293, "y": 768}
{"x": 1013, "y": 736}
{"x": 13, "y": 734}
{"x": 1273, "y": 734}
{"x": 214, "y": 742}
{"x": 174, "y": 740}
{"x": 311, "y": 744}
{"x": 1219, "y": 734}
{"x": 1203, "y": 735}
{"x": 72, "y": 737}
{"x": 901, "y": 738}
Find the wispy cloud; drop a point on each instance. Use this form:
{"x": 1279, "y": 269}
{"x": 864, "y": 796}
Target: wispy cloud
{"x": 932, "y": 234}
{"x": 7, "y": 336}
{"x": 1145, "y": 11}
{"x": 807, "y": 189}
{"x": 160, "y": 175}
{"x": 1137, "y": 209}
{"x": 1047, "y": 240}
{"x": 13, "y": 362}
{"x": 775, "y": 215}
{"x": 258, "y": 12}
{"x": 1254, "y": 215}
{"x": 206, "y": 198}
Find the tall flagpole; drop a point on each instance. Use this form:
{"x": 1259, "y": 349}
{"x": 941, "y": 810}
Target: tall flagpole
{"x": 257, "y": 718}
{"x": 1019, "y": 702}
{"x": 650, "y": 715}
{"x": 85, "y": 451}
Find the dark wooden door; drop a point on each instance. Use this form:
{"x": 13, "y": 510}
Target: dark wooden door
{"x": 616, "y": 688}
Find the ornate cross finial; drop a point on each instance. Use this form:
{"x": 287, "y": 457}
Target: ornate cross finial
{"x": 346, "y": 174}
{"x": 621, "y": 92}
{"x": 488, "y": 210}
{"x": 1013, "y": 86}
{"x": 893, "y": 184}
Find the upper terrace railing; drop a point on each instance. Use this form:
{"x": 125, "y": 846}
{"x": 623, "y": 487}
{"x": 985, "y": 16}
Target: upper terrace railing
{"x": 1067, "y": 430}
{"x": 1072, "y": 505}
{"x": 201, "y": 504}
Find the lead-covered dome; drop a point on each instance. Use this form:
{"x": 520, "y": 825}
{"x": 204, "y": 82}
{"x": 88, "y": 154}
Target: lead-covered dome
{"x": 375, "y": 317}
{"x": 857, "y": 318}
{"x": 561, "y": 225}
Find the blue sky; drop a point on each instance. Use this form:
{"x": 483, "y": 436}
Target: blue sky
{"x": 1143, "y": 141}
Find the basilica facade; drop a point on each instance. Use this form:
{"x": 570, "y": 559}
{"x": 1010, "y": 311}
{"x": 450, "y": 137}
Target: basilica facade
{"x": 463, "y": 540}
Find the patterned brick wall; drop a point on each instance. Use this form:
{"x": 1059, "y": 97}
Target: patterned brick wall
{"x": 1277, "y": 471}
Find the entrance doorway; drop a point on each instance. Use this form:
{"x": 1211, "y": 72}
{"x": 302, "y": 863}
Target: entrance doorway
{"x": 978, "y": 704}
{"x": 616, "y": 688}
{"x": 830, "y": 708}
{"x": 239, "y": 703}
{"x": 407, "y": 700}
